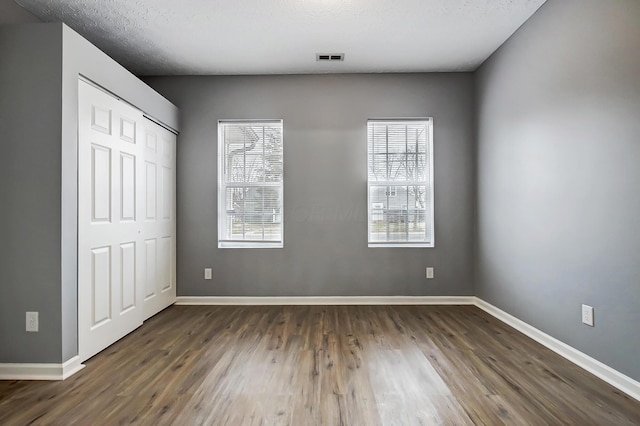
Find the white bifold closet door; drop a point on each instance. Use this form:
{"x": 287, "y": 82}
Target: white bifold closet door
{"x": 159, "y": 218}
{"x": 126, "y": 221}
{"x": 110, "y": 226}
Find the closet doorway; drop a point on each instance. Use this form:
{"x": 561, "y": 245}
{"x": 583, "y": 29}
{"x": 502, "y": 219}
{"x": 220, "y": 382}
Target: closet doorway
{"x": 126, "y": 219}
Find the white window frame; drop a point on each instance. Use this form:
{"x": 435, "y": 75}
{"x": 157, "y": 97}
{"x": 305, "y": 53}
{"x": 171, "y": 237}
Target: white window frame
{"x": 429, "y": 240}
{"x": 223, "y": 185}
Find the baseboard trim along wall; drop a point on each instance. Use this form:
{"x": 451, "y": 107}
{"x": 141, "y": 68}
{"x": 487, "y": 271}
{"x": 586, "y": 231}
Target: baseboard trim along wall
{"x": 40, "y": 371}
{"x": 616, "y": 379}
{"x": 620, "y": 381}
{"x": 326, "y": 300}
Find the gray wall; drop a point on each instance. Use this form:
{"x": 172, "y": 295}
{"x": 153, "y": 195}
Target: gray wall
{"x": 30, "y": 126}
{"x": 559, "y": 176}
{"x": 38, "y": 180}
{"x": 325, "y": 232}
{"x": 11, "y": 13}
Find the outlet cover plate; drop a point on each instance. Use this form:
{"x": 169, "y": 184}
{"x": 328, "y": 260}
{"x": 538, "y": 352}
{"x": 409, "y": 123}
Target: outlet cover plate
{"x": 587, "y": 315}
{"x": 429, "y": 273}
{"x": 208, "y": 273}
{"x": 32, "y": 322}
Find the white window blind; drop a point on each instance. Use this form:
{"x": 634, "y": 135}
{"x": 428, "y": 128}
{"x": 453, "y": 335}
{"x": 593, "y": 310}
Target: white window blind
{"x": 250, "y": 184}
{"x": 400, "y": 182}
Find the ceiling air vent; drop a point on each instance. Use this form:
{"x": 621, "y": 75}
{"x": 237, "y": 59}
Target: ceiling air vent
{"x": 322, "y": 57}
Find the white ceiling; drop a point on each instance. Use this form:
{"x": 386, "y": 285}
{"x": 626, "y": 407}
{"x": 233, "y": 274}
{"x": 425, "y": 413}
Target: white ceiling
{"x": 170, "y": 37}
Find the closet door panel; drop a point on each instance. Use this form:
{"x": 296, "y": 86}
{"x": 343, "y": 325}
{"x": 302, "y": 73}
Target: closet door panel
{"x": 160, "y": 221}
{"x": 100, "y": 286}
{"x": 128, "y": 278}
{"x": 110, "y": 273}
{"x": 151, "y": 190}
{"x": 100, "y": 183}
{"x": 127, "y": 187}
{"x": 151, "y": 268}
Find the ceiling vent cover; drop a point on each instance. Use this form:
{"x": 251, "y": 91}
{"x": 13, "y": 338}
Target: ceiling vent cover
{"x": 329, "y": 57}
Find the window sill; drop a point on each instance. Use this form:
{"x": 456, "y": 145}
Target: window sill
{"x": 401, "y": 245}
{"x": 251, "y": 244}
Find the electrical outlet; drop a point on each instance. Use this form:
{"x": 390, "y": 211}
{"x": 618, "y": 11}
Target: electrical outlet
{"x": 32, "y": 321}
{"x": 208, "y": 273}
{"x": 587, "y": 315}
{"x": 429, "y": 273}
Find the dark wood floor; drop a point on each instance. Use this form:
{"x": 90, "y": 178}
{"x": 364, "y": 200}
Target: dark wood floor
{"x": 338, "y": 365}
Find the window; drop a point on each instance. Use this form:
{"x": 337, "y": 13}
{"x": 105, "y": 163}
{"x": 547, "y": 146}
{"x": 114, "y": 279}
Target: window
{"x": 400, "y": 182}
{"x": 250, "y": 164}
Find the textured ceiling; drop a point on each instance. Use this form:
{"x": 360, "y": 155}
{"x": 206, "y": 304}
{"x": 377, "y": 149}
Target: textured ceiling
{"x": 168, "y": 37}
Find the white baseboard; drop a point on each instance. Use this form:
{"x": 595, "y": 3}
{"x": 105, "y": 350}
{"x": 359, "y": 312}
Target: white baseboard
{"x": 616, "y": 379}
{"x": 26, "y": 371}
{"x": 620, "y": 381}
{"x": 326, "y": 300}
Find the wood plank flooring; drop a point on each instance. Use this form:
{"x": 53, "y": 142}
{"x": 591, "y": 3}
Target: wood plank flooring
{"x": 322, "y": 365}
